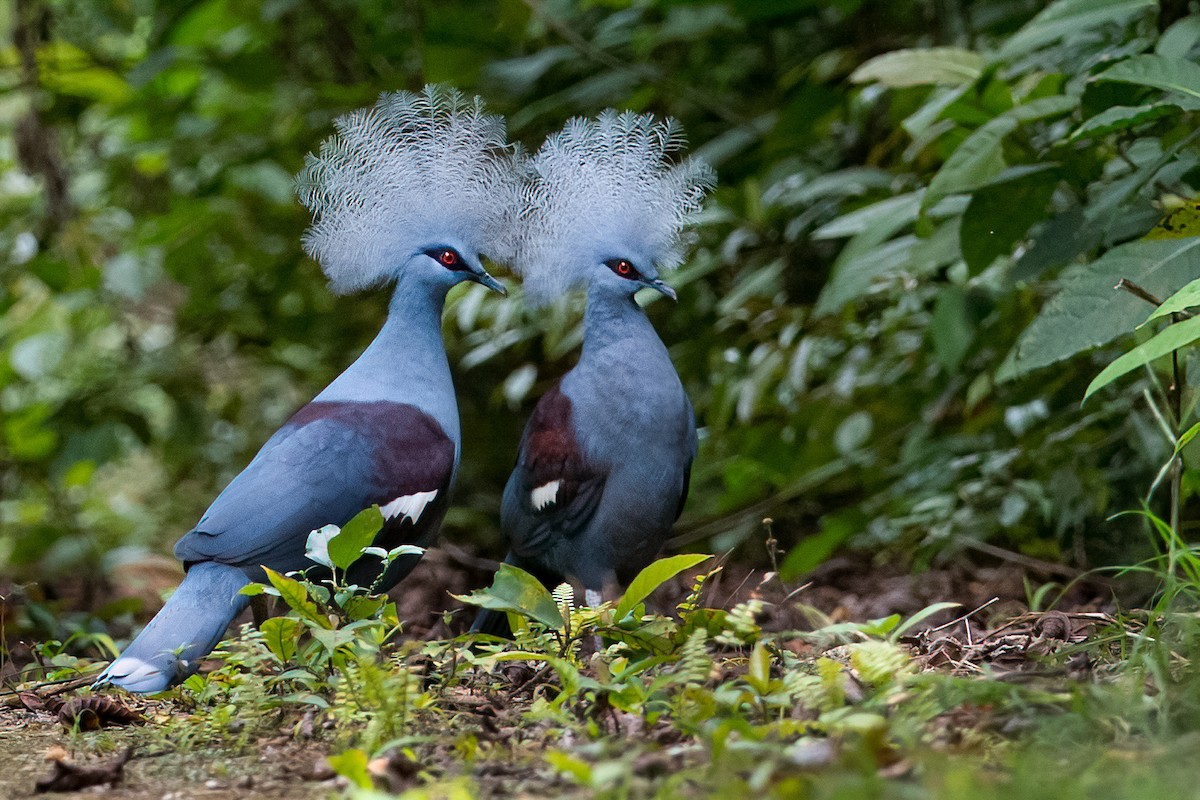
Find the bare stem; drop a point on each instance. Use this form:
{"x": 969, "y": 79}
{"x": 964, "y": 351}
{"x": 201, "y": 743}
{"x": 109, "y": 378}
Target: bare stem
{"x": 1137, "y": 291}
{"x": 1127, "y": 285}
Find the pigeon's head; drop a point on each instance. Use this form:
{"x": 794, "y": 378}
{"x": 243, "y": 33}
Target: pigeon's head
{"x": 604, "y": 206}
{"x": 446, "y": 262}
{"x": 418, "y": 188}
{"x": 628, "y": 274}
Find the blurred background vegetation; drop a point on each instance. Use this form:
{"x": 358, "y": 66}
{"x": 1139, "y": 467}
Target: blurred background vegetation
{"x": 850, "y": 325}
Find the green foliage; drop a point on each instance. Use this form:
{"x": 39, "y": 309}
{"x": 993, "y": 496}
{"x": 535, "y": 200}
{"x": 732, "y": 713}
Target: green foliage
{"x": 898, "y": 297}
{"x": 160, "y": 320}
{"x": 1169, "y": 340}
{"x": 654, "y": 576}
{"x": 515, "y": 590}
{"x": 329, "y": 652}
{"x": 1185, "y": 298}
{"x": 1088, "y": 313}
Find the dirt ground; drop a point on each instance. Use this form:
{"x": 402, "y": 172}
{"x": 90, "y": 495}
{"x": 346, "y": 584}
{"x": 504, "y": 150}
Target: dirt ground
{"x": 155, "y": 771}
{"x": 845, "y": 588}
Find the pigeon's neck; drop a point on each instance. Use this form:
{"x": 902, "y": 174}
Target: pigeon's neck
{"x": 615, "y": 320}
{"x": 624, "y": 391}
{"x": 406, "y": 362}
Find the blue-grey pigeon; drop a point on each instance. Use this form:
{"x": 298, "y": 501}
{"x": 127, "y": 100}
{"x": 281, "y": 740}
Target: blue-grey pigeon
{"x": 410, "y": 191}
{"x": 603, "y": 466}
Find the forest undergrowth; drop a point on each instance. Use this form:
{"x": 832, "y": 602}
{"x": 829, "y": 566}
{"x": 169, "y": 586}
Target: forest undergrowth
{"x": 717, "y": 689}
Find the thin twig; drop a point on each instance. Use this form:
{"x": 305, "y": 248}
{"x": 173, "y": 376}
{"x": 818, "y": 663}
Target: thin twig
{"x": 966, "y": 617}
{"x": 797, "y": 591}
{"x": 1126, "y": 285}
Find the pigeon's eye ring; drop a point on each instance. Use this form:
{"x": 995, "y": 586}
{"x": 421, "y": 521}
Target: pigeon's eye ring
{"x": 448, "y": 258}
{"x": 624, "y": 268}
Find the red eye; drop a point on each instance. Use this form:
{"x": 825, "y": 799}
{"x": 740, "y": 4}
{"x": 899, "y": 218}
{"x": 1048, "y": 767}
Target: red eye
{"x": 624, "y": 268}
{"x": 448, "y": 258}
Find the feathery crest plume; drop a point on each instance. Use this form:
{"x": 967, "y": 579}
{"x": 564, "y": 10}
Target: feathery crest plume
{"x": 410, "y": 170}
{"x": 605, "y": 188}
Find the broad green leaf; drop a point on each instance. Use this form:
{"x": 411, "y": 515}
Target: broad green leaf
{"x": 520, "y": 74}
{"x": 1182, "y": 223}
{"x": 927, "y": 121}
{"x": 281, "y": 635}
{"x": 854, "y": 271}
{"x": 1067, "y": 17}
{"x": 858, "y": 266}
{"x": 974, "y": 162}
{"x": 352, "y": 765}
{"x": 27, "y": 434}
{"x": 1001, "y": 213}
{"x": 654, "y": 576}
{"x": 893, "y": 213}
{"x": 577, "y": 769}
{"x": 759, "y": 673}
{"x": 358, "y": 607}
{"x": 1119, "y": 118}
{"x": 304, "y": 698}
{"x": 1178, "y": 40}
{"x": 333, "y": 638}
{"x": 921, "y": 66}
{"x": 979, "y": 158}
{"x": 1056, "y": 243}
{"x": 65, "y": 69}
{"x": 1169, "y": 74}
{"x": 1088, "y": 312}
{"x": 293, "y": 593}
{"x": 1185, "y": 298}
{"x": 356, "y": 536}
{"x": 1164, "y": 343}
{"x": 952, "y": 327}
{"x": 812, "y": 550}
{"x": 1044, "y": 108}
{"x": 791, "y": 190}
{"x": 516, "y": 590}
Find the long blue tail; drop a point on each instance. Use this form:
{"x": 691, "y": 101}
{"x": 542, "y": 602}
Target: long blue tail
{"x": 187, "y": 628}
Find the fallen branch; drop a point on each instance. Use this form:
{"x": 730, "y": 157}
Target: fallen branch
{"x": 68, "y": 777}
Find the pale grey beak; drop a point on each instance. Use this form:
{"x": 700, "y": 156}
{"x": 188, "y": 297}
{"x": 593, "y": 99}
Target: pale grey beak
{"x": 482, "y": 277}
{"x": 658, "y": 286}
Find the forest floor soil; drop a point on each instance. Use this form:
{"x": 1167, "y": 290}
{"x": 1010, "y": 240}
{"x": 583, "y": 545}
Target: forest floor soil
{"x": 992, "y": 629}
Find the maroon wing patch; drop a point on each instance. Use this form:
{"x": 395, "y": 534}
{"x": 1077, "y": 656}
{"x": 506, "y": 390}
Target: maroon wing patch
{"x": 550, "y": 452}
{"x": 412, "y": 463}
{"x": 411, "y": 454}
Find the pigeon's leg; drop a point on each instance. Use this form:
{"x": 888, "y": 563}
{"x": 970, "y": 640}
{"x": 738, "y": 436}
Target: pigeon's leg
{"x": 610, "y": 592}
